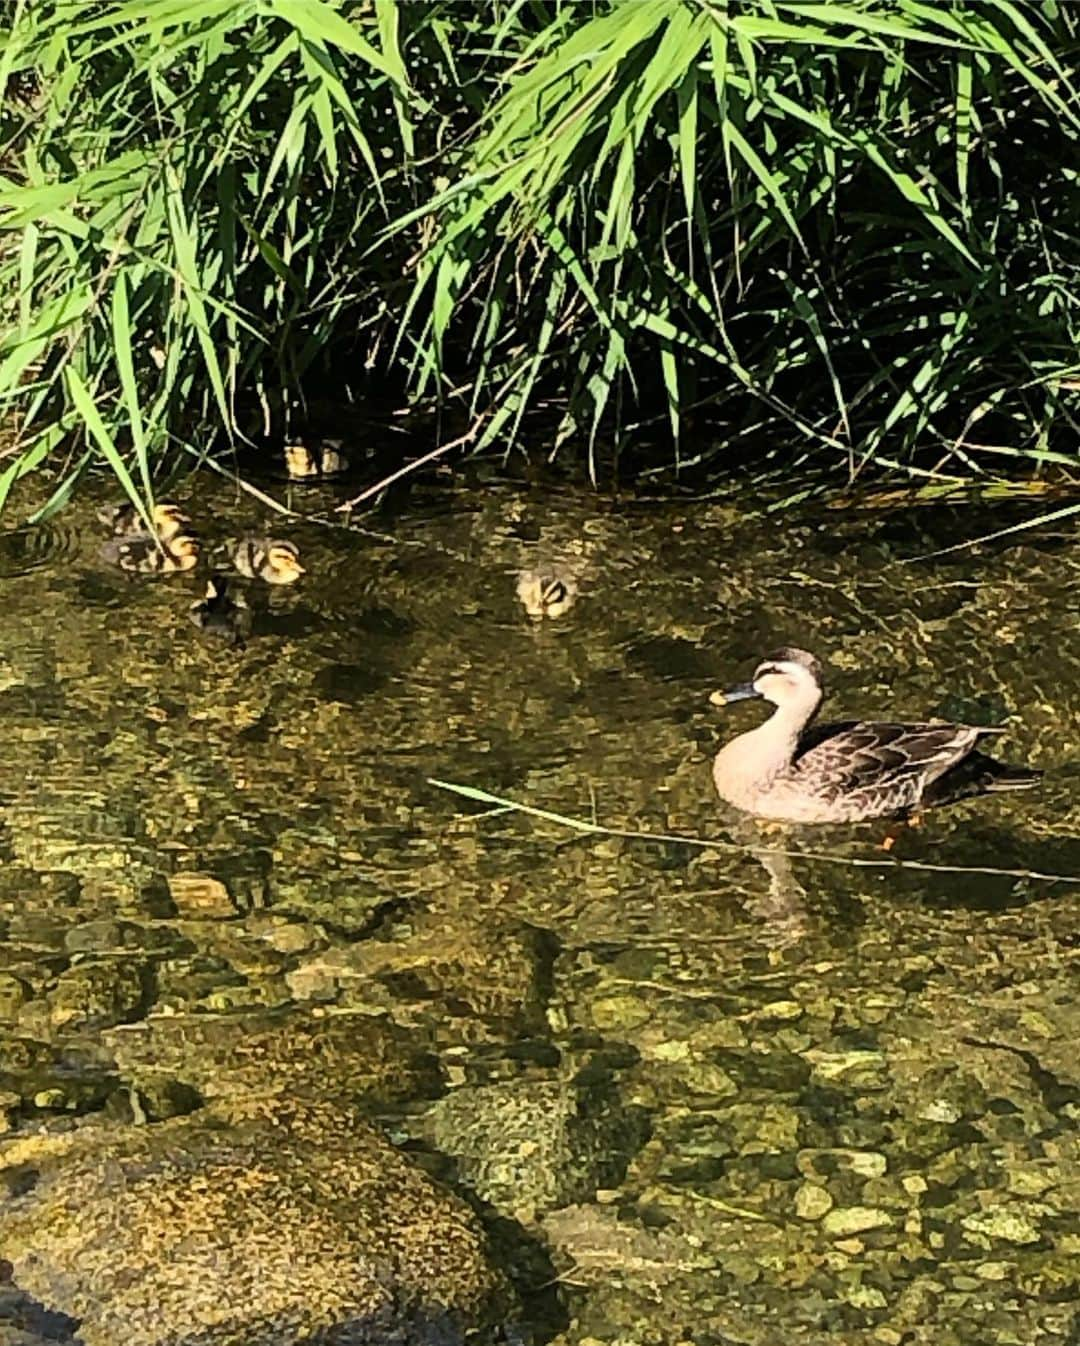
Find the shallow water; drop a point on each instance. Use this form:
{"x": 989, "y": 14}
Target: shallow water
{"x": 700, "y": 1095}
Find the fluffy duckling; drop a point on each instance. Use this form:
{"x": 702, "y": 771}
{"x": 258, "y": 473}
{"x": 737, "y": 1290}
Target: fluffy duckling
{"x": 320, "y": 459}
{"x": 168, "y": 518}
{"x": 169, "y": 548}
{"x": 269, "y": 559}
{"x": 221, "y": 616}
{"x": 548, "y": 592}
{"x": 144, "y": 554}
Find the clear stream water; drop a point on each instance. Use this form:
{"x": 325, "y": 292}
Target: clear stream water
{"x": 698, "y": 1095}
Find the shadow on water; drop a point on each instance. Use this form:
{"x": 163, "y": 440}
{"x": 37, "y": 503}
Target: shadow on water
{"x": 694, "y": 1095}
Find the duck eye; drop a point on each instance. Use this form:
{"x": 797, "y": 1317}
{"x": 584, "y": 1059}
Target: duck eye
{"x": 555, "y": 592}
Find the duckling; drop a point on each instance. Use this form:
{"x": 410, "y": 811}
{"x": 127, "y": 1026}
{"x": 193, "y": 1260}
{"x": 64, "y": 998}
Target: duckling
{"x": 852, "y": 771}
{"x": 125, "y": 520}
{"x": 547, "y": 592}
{"x": 320, "y": 459}
{"x": 144, "y": 554}
{"x": 221, "y": 616}
{"x": 269, "y": 559}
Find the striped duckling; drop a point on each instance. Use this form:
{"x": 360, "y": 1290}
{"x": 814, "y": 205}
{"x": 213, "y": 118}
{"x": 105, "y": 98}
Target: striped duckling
{"x": 316, "y": 460}
{"x": 170, "y": 548}
{"x": 124, "y": 520}
{"x": 548, "y": 591}
{"x": 269, "y": 559}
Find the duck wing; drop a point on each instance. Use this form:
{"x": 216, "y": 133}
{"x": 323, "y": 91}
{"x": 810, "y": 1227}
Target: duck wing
{"x": 879, "y": 759}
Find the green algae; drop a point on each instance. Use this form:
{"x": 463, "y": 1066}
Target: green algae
{"x": 311, "y": 1222}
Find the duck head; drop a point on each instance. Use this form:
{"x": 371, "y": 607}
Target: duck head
{"x": 788, "y": 678}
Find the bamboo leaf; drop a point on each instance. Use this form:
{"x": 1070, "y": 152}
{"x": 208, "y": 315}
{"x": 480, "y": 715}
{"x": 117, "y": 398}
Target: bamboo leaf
{"x": 316, "y": 21}
{"x": 98, "y": 432}
{"x": 125, "y": 365}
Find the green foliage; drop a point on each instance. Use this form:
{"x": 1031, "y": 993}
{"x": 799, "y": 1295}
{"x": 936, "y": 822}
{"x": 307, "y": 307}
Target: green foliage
{"x": 848, "y": 231}
{"x": 175, "y": 179}
{"x": 856, "y": 213}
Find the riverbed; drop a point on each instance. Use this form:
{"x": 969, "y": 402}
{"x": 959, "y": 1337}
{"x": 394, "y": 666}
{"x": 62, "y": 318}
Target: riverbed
{"x": 725, "y": 1086}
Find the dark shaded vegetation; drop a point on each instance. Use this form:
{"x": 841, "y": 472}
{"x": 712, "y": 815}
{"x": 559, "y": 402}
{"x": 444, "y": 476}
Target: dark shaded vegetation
{"x": 825, "y": 240}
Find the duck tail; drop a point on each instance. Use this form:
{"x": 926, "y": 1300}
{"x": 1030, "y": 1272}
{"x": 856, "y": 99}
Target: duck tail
{"x": 978, "y": 774}
{"x": 1000, "y": 776}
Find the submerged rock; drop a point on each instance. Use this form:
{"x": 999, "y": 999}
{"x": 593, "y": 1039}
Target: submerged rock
{"x": 845, "y": 1221}
{"x": 14, "y": 992}
{"x": 228, "y": 1054}
{"x": 98, "y": 994}
{"x": 1004, "y": 1224}
{"x": 812, "y": 1202}
{"x": 475, "y": 970}
{"x": 249, "y": 1223}
{"x": 36, "y": 1074}
{"x": 201, "y": 896}
{"x": 533, "y": 1145}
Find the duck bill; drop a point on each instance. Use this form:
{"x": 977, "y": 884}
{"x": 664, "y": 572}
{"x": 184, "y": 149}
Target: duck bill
{"x": 745, "y": 691}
